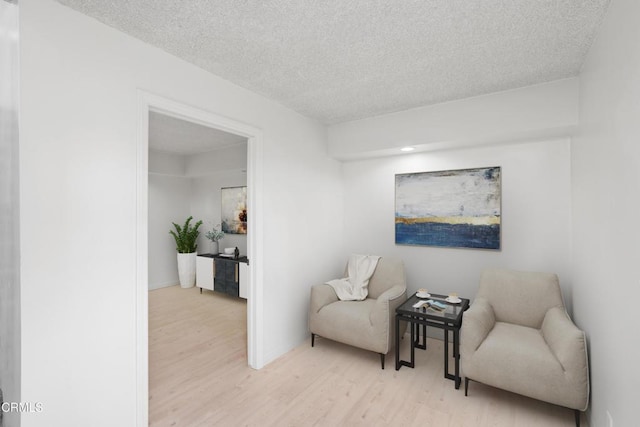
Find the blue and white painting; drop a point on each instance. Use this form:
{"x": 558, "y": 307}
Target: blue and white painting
{"x": 455, "y": 208}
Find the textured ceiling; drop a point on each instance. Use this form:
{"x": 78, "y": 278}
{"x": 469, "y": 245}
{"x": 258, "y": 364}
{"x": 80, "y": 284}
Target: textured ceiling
{"x": 179, "y": 136}
{"x": 339, "y": 60}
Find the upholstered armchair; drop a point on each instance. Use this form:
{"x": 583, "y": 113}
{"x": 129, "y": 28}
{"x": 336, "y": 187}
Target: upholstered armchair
{"x": 367, "y": 324}
{"x": 517, "y": 336}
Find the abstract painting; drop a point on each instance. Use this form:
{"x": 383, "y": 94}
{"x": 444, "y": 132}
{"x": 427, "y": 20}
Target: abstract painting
{"x": 234, "y": 210}
{"x": 455, "y": 208}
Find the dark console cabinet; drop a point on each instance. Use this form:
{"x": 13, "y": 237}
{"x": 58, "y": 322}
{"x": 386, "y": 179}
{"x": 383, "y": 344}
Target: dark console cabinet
{"x": 226, "y": 278}
{"x": 223, "y": 274}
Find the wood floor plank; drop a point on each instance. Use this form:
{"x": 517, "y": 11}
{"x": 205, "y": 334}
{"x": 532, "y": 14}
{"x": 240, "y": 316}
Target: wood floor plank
{"x": 198, "y": 376}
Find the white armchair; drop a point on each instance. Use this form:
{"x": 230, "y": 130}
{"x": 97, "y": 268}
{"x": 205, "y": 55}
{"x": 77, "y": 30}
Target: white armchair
{"x": 517, "y": 336}
{"x": 367, "y": 324}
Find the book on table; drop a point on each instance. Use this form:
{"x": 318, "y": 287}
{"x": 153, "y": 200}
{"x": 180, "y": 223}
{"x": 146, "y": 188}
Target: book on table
{"x": 437, "y": 305}
{"x": 434, "y": 305}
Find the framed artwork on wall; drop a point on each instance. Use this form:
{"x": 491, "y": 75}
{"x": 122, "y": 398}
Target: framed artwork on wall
{"x": 454, "y": 208}
{"x": 234, "y": 210}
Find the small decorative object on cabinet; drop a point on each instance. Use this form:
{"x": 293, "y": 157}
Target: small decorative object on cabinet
{"x": 215, "y": 235}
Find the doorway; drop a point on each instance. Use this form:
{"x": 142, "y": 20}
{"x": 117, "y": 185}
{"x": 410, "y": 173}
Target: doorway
{"x": 148, "y": 104}
{"x": 189, "y": 166}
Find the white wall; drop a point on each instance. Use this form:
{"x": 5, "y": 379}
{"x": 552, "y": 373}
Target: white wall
{"x": 205, "y": 205}
{"x": 226, "y": 167}
{"x": 232, "y": 158}
{"x": 169, "y": 201}
{"x": 525, "y": 131}
{"x": 166, "y": 163}
{"x": 606, "y": 201}
{"x": 78, "y": 209}
{"x": 532, "y": 113}
{"x": 9, "y": 212}
{"x": 536, "y": 214}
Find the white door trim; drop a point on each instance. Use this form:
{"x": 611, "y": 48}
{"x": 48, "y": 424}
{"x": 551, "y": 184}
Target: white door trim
{"x": 255, "y": 350}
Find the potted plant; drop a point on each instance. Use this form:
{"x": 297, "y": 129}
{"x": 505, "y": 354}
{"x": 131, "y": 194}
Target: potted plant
{"x": 186, "y": 237}
{"x": 214, "y": 235}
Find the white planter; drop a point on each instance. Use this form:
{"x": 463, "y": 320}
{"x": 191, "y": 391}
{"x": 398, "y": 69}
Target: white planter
{"x": 187, "y": 270}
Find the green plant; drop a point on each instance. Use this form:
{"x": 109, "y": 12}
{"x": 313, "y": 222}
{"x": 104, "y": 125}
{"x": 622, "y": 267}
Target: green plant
{"x": 214, "y": 234}
{"x": 186, "y": 236}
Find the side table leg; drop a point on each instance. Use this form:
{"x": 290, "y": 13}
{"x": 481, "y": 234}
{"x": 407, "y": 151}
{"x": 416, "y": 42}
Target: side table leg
{"x": 413, "y": 345}
{"x": 397, "y": 342}
{"x": 422, "y": 345}
{"x": 446, "y": 353}
{"x": 424, "y": 336}
{"x": 456, "y": 355}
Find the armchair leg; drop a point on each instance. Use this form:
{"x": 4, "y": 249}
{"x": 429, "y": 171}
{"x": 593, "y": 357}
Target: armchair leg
{"x": 313, "y": 339}
{"x": 577, "y": 416}
{"x": 382, "y": 360}
{"x": 466, "y": 386}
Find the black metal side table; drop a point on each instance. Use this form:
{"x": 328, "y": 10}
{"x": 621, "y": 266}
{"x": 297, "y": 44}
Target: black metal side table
{"x": 449, "y": 319}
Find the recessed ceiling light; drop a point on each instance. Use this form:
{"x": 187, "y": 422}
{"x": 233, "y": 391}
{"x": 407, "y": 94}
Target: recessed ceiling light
{"x": 407, "y": 149}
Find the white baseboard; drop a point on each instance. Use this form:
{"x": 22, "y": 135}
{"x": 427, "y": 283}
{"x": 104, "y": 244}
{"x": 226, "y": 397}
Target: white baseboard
{"x": 153, "y": 286}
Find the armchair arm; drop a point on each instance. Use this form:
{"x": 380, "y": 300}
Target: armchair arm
{"x": 321, "y": 295}
{"x": 477, "y": 322}
{"x": 387, "y": 303}
{"x": 567, "y": 342}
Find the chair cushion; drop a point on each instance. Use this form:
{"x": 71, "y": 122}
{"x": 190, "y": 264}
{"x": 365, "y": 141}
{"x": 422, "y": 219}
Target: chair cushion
{"x": 517, "y": 358}
{"x": 388, "y": 273}
{"x": 518, "y": 297}
{"x": 348, "y": 322}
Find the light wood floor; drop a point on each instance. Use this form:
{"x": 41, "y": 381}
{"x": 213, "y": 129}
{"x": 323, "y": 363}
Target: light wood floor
{"x": 198, "y": 376}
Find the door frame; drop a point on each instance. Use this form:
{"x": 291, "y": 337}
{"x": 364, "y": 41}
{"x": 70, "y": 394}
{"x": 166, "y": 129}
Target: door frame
{"x": 255, "y": 351}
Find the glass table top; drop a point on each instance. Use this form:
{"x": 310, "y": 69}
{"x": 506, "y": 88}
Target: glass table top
{"x": 429, "y": 308}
